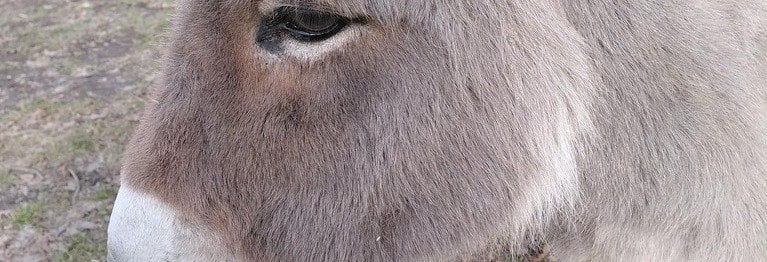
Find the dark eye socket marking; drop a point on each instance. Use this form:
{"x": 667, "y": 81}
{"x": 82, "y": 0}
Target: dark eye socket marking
{"x": 300, "y": 23}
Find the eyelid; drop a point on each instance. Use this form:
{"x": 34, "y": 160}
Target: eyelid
{"x": 270, "y": 7}
{"x": 283, "y": 19}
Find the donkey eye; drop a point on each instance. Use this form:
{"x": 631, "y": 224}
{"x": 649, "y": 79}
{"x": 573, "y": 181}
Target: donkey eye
{"x": 310, "y": 25}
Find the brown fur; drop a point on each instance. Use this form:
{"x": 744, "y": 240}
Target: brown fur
{"x": 608, "y": 129}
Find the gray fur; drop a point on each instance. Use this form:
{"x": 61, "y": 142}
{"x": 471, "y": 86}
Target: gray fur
{"x": 610, "y": 130}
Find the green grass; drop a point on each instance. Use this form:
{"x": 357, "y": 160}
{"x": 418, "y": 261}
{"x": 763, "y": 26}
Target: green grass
{"x": 27, "y": 214}
{"x": 37, "y": 133}
{"x": 79, "y": 142}
{"x": 32, "y": 38}
{"x": 105, "y": 194}
{"x": 45, "y": 131}
{"x": 52, "y": 43}
{"x": 80, "y": 247}
{"x": 146, "y": 25}
{"x": 5, "y": 178}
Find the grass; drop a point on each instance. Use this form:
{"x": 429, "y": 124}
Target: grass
{"x": 145, "y": 25}
{"x": 27, "y": 214}
{"x": 64, "y": 27}
{"x": 73, "y": 44}
{"x": 32, "y": 39}
{"x": 80, "y": 247}
{"x": 36, "y": 133}
{"x": 77, "y": 143}
{"x": 5, "y": 178}
{"x": 105, "y": 194}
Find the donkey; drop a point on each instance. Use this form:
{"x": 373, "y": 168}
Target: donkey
{"x": 368, "y": 130}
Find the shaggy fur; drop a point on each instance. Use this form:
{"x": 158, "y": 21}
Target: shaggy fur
{"x": 610, "y": 130}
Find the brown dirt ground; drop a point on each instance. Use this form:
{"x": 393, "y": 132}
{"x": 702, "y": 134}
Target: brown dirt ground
{"x": 74, "y": 76}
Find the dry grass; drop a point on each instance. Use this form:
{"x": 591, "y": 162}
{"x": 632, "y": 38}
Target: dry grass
{"x": 74, "y": 76}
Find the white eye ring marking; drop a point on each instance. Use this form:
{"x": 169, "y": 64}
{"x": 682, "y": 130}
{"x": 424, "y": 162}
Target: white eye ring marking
{"x": 313, "y": 51}
{"x": 308, "y": 51}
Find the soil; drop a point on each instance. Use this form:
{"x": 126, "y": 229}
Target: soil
{"x": 74, "y": 76}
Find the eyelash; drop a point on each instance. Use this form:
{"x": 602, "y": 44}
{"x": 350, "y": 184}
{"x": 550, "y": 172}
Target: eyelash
{"x": 294, "y": 22}
{"x": 288, "y": 20}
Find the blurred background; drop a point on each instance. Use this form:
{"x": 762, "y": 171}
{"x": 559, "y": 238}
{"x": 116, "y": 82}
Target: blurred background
{"x": 74, "y": 76}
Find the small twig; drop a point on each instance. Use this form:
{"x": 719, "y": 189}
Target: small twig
{"x": 77, "y": 184}
{"x": 27, "y": 170}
